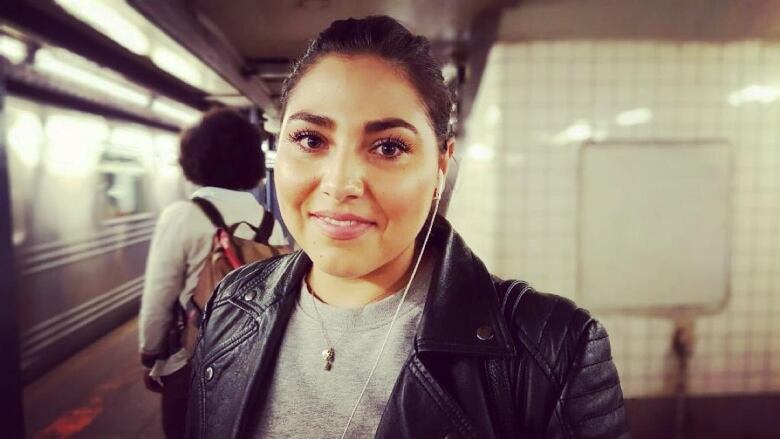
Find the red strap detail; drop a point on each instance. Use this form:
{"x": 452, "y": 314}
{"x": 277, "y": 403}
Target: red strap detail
{"x": 230, "y": 251}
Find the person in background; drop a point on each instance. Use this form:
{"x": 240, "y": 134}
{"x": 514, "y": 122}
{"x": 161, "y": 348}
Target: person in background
{"x": 221, "y": 155}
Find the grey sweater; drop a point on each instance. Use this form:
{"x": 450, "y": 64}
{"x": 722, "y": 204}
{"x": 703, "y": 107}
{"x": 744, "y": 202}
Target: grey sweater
{"x": 305, "y": 400}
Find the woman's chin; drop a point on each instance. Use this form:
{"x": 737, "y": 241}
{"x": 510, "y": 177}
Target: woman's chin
{"x": 347, "y": 268}
{"x": 346, "y": 258}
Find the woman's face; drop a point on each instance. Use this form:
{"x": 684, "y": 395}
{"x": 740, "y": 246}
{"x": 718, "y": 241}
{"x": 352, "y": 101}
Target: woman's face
{"x": 357, "y": 165}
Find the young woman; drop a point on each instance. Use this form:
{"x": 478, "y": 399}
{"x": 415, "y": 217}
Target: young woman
{"x": 385, "y": 324}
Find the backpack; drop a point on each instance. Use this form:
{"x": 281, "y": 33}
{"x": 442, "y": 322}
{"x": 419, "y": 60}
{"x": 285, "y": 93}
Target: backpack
{"x": 228, "y": 252}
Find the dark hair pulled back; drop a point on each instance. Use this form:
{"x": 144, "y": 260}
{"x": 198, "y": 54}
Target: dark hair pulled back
{"x": 388, "y": 39}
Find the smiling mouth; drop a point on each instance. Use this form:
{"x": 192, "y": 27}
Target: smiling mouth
{"x": 341, "y": 227}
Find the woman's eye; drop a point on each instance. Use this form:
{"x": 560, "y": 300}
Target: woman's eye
{"x": 390, "y": 149}
{"x": 307, "y": 141}
{"x": 311, "y": 142}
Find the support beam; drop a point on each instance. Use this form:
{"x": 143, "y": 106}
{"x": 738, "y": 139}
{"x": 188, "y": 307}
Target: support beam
{"x": 180, "y": 22}
{"x": 276, "y": 68}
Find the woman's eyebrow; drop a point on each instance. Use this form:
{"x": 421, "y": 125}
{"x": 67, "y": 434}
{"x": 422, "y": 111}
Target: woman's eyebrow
{"x": 373, "y": 126}
{"x": 384, "y": 124}
{"x": 315, "y": 119}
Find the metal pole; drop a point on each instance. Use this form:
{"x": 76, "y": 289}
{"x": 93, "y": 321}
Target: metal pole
{"x": 682, "y": 346}
{"x": 11, "y": 411}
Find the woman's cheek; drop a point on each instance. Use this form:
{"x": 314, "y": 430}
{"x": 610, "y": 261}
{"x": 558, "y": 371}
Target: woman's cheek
{"x": 407, "y": 204}
{"x": 292, "y": 184}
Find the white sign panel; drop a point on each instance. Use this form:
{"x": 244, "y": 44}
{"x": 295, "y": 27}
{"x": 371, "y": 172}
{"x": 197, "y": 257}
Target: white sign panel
{"x": 654, "y": 226}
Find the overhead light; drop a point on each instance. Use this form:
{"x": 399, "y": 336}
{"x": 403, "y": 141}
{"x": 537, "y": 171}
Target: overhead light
{"x": 126, "y": 26}
{"x": 633, "y": 117}
{"x": 13, "y": 49}
{"x": 176, "y": 65}
{"x": 577, "y": 132}
{"x": 755, "y": 93}
{"x": 110, "y": 22}
{"x": 48, "y": 63}
{"x": 182, "y": 114}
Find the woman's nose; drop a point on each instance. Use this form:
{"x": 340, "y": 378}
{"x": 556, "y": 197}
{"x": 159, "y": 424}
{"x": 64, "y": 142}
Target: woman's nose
{"x": 343, "y": 178}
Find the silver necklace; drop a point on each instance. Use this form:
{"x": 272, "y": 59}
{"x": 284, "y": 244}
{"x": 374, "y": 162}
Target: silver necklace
{"x": 329, "y": 353}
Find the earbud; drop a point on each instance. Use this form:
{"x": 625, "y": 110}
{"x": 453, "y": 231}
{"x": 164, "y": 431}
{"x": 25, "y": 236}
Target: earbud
{"x": 440, "y": 185}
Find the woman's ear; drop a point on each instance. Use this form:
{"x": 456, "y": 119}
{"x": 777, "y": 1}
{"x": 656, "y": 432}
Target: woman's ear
{"x": 444, "y": 157}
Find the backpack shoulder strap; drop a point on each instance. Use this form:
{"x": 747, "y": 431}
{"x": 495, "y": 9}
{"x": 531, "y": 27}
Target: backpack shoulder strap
{"x": 211, "y": 212}
{"x": 265, "y": 229}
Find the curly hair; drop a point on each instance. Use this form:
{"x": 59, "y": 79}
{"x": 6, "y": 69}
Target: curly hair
{"x": 223, "y": 150}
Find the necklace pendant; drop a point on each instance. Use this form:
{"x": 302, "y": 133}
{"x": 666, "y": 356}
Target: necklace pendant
{"x": 328, "y": 355}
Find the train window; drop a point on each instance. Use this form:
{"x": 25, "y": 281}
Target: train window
{"x": 123, "y": 173}
{"x": 122, "y": 192}
{"x": 24, "y": 139}
{"x": 25, "y": 136}
{"x": 74, "y": 143}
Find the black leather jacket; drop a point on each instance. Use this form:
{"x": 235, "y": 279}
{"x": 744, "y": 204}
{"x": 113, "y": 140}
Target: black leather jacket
{"x": 492, "y": 358}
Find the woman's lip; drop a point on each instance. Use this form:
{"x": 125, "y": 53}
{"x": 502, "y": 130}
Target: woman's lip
{"x": 341, "y": 227}
{"x": 341, "y": 216}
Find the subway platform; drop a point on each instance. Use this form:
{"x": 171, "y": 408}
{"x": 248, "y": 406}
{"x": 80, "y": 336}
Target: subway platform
{"x": 96, "y": 394}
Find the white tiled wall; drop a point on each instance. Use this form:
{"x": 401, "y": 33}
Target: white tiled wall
{"x": 515, "y": 201}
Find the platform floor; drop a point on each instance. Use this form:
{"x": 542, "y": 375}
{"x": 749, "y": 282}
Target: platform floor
{"x": 99, "y": 394}
{"x": 96, "y": 394}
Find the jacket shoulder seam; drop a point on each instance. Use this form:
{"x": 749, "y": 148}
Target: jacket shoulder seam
{"x": 533, "y": 346}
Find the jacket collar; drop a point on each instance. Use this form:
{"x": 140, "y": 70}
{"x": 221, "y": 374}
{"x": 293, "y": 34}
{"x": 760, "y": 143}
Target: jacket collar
{"x": 462, "y": 313}
{"x": 463, "y": 302}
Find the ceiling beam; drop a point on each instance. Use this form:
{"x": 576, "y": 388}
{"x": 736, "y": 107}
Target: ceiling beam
{"x": 48, "y": 21}
{"x": 194, "y": 33}
{"x": 269, "y": 66}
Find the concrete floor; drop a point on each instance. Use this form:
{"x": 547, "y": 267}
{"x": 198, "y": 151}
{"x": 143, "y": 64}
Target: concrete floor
{"x": 98, "y": 393}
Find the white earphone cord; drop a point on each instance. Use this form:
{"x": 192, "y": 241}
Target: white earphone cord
{"x": 392, "y": 322}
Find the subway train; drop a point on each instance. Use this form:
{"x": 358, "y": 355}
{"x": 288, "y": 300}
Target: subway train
{"x": 92, "y": 160}
{"x": 591, "y": 138}
{"x": 85, "y": 193}
{"x": 88, "y": 174}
